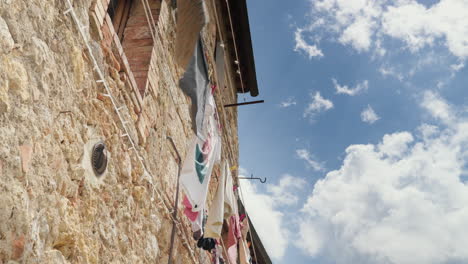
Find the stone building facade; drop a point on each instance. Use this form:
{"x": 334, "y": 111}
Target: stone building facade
{"x": 54, "y": 108}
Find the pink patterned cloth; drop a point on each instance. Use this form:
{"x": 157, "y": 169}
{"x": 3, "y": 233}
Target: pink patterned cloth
{"x": 206, "y": 150}
{"x": 191, "y": 215}
{"x": 234, "y": 234}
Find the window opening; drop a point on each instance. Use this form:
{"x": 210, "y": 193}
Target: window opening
{"x": 119, "y": 12}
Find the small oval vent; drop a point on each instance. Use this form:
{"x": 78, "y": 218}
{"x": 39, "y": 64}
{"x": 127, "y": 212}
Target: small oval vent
{"x": 99, "y": 159}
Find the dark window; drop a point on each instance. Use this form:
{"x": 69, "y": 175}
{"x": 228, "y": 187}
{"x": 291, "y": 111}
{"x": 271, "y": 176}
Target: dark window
{"x": 119, "y": 12}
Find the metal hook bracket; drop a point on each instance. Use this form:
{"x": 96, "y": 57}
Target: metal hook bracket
{"x": 252, "y": 178}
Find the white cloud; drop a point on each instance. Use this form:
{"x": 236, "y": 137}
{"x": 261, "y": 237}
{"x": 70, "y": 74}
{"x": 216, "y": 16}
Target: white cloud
{"x": 285, "y": 193}
{"x": 317, "y": 105}
{"x": 390, "y": 71}
{"x": 311, "y": 162}
{"x": 363, "y": 24}
{"x": 353, "y": 20}
{"x": 358, "y": 34}
{"x": 360, "y": 87}
{"x": 290, "y": 101}
{"x": 269, "y": 222}
{"x": 457, "y": 67}
{"x": 302, "y": 45}
{"x": 419, "y": 26}
{"x": 368, "y": 115}
{"x": 437, "y": 107}
{"x": 400, "y": 201}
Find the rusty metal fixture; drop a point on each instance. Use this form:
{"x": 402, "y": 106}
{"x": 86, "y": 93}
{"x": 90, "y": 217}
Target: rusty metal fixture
{"x": 99, "y": 159}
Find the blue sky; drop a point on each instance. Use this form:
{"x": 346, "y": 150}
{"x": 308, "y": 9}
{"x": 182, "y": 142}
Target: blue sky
{"x": 369, "y": 99}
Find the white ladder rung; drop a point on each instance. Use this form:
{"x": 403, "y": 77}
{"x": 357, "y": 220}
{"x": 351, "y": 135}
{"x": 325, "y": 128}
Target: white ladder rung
{"x": 67, "y": 11}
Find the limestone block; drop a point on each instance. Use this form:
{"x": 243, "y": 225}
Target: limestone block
{"x": 4, "y": 98}
{"x": 6, "y": 41}
{"x": 152, "y": 248}
{"x": 17, "y": 79}
{"x": 143, "y": 130}
{"x": 138, "y": 192}
{"x": 54, "y": 256}
{"x": 41, "y": 53}
{"x": 78, "y": 65}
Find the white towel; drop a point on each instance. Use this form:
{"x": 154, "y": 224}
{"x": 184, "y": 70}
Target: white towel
{"x": 230, "y": 201}
{"x": 214, "y": 225}
{"x": 201, "y": 156}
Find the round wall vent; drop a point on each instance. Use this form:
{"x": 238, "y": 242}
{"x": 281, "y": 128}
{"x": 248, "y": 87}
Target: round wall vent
{"x": 99, "y": 159}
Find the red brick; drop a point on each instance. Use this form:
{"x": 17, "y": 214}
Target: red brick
{"x": 142, "y": 32}
{"x": 140, "y": 74}
{"x": 141, "y": 83}
{"x": 137, "y": 43}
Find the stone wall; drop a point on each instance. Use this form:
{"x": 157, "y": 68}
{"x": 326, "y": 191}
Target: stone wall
{"x": 53, "y": 209}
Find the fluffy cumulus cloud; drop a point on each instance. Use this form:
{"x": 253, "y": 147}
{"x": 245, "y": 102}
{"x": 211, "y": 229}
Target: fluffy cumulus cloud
{"x": 363, "y": 24}
{"x": 368, "y": 115}
{"x": 438, "y": 108}
{"x": 290, "y": 101}
{"x": 344, "y": 89}
{"x": 418, "y": 25}
{"x": 264, "y": 212}
{"x": 303, "y": 46}
{"x": 305, "y": 155}
{"x": 403, "y": 200}
{"x": 285, "y": 193}
{"x": 317, "y": 105}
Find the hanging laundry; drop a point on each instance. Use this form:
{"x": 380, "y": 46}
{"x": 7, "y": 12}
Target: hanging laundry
{"x": 191, "y": 215}
{"x": 203, "y": 152}
{"x": 244, "y": 226}
{"x": 214, "y": 223}
{"x": 206, "y": 243}
{"x": 219, "y": 60}
{"x": 195, "y": 84}
{"x": 230, "y": 200}
{"x": 197, "y": 225}
{"x": 242, "y": 216}
{"x": 234, "y": 234}
{"x": 196, "y": 218}
{"x": 217, "y": 257}
{"x": 244, "y": 252}
{"x": 192, "y": 16}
